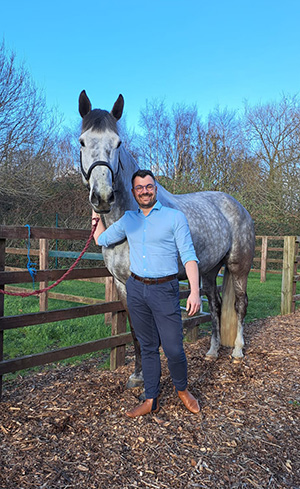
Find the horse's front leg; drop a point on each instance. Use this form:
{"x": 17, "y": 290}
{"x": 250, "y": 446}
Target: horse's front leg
{"x": 136, "y": 379}
{"x": 215, "y": 303}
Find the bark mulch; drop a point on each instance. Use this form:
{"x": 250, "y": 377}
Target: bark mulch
{"x": 66, "y": 427}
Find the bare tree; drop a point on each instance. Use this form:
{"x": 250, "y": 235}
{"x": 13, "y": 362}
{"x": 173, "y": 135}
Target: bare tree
{"x": 272, "y": 132}
{"x": 168, "y": 139}
{"x": 30, "y": 139}
{"x": 154, "y": 123}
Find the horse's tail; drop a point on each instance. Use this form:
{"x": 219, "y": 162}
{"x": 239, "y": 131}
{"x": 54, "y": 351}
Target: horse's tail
{"x": 229, "y": 317}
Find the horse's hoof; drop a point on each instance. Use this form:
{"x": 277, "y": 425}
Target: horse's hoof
{"x": 237, "y": 355}
{"x": 135, "y": 380}
{"x": 210, "y": 358}
{"x": 142, "y": 397}
{"x": 236, "y": 359}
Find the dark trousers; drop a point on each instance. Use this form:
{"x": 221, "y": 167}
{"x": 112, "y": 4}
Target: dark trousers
{"x": 156, "y": 319}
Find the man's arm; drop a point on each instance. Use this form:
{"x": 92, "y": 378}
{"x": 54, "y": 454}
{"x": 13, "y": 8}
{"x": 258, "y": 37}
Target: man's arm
{"x": 193, "y": 301}
{"x": 112, "y": 235}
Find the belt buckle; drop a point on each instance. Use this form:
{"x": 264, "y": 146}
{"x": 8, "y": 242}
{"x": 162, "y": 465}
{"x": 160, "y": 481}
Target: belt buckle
{"x": 150, "y": 281}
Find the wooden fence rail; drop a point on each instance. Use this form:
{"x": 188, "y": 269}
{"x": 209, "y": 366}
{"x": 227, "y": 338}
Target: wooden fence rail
{"x": 119, "y": 337}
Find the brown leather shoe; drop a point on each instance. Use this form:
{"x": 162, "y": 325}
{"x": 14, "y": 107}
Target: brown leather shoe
{"x": 189, "y": 401}
{"x": 148, "y": 406}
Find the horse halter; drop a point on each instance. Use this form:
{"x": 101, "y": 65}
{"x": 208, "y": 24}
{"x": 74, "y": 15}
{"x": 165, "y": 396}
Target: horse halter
{"x": 87, "y": 175}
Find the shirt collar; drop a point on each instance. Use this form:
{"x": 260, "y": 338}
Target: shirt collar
{"x": 157, "y": 206}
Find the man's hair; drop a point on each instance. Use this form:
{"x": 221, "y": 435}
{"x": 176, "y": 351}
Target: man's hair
{"x": 142, "y": 174}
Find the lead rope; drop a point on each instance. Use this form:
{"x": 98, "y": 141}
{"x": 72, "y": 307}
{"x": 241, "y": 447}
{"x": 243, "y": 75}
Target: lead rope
{"x": 40, "y": 291}
{"x": 30, "y": 266}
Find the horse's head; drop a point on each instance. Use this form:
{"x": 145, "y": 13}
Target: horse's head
{"x": 99, "y": 154}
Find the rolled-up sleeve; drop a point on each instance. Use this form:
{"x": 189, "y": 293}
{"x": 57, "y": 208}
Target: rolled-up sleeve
{"x": 113, "y": 234}
{"x": 183, "y": 239}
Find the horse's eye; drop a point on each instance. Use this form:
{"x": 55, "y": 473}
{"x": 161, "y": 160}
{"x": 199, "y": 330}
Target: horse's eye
{"x": 119, "y": 144}
{"x": 82, "y": 143}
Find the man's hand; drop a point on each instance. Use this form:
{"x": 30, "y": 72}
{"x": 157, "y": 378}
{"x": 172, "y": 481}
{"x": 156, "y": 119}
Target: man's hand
{"x": 100, "y": 227}
{"x": 193, "y": 304}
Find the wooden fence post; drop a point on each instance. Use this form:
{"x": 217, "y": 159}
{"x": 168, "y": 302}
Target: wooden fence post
{"x": 2, "y": 267}
{"x": 118, "y": 325}
{"x": 263, "y": 259}
{"x": 44, "y": 265}
{"x": 109, "y": 292}
{"x": 288, "y": 274}
{"x": 296, "y": 278}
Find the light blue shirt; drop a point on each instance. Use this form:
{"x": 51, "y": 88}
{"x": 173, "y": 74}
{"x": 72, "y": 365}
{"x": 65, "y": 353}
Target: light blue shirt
{"x": 154, "y": 240}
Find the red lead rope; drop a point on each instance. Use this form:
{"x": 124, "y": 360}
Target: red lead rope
{"x": 40, "y": 291}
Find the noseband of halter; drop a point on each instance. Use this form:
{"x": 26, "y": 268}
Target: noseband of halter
{"x": 87, "y": 175}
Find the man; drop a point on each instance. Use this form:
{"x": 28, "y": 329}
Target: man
{"x": 155, "y": 235}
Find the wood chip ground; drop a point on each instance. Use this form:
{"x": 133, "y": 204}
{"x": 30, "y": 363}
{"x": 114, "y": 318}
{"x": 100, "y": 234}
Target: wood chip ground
{"x": 66, "y": 427}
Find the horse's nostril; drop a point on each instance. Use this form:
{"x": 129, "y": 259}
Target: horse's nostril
{"x": 95, "y": 200}
{"x": 111, "y": 198}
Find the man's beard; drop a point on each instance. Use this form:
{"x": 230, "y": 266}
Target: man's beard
{"x": 149, "y": 204}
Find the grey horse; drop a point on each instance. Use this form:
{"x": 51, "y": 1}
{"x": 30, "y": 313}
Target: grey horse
{"x": 221, "y": 228}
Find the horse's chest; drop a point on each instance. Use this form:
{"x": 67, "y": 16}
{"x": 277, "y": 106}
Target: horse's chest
{"x": 116, "y": 259}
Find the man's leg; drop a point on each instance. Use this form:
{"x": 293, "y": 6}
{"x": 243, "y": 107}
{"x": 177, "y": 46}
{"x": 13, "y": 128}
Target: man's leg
{"x": 147, "y": 335}
{"x": 165, "y": 306}
{"x": 163, "y": 300}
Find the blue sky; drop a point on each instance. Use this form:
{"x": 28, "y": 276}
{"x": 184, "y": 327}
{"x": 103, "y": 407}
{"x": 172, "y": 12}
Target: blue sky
{"x": 183, "y": 51}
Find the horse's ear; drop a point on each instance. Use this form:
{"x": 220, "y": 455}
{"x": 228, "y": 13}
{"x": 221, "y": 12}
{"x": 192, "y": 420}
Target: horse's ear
{"x": 118, "y": 107}
{"x": 85, "y": 105}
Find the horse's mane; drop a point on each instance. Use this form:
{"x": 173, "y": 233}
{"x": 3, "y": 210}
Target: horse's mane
{"x": 99, "y": 120}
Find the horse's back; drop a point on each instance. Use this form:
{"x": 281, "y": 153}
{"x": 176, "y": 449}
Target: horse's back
{"x": 219, "y": 225}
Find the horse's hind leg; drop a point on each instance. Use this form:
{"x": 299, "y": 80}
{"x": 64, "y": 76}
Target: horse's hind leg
{"x": 209, "y": 286}
{"x": 241, "y": 303}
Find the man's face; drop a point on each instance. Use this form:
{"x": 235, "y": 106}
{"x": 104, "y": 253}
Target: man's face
{"x": 144, "y": 191}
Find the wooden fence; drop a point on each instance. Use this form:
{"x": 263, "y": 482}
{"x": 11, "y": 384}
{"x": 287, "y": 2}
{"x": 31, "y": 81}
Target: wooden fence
{"x": 119, "y": 337}
{"x": 288, "y": 263}
{"x": 268, "y": 255}
{"x": 290, "y": 274}
{"x": 283, "y": 252}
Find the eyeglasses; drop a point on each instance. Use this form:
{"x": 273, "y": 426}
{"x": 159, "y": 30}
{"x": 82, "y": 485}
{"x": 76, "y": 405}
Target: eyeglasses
{"x": 139, "y": 188}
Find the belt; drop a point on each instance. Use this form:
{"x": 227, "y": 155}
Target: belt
{"x": 153, "y": 281}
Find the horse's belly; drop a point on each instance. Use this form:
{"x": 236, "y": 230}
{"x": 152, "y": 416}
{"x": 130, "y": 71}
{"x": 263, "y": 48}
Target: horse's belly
{"x": 212, "y": 241}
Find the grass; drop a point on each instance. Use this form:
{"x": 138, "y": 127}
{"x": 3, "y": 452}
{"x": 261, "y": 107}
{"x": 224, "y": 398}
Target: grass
{"x": 46, "y": 337}
{"x": 264, "y": 301}
{"x": 264, "y": 297}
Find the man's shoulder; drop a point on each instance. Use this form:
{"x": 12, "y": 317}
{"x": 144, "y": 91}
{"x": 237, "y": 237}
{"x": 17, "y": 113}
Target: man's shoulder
{"x": 172, "y": 211}
{"x": 131, "y": 213}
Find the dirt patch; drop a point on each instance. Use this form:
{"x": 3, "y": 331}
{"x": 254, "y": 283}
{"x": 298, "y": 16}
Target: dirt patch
{"x": 66, "y": 428}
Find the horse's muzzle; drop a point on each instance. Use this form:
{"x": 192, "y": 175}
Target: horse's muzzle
{"x": 100, "y": 205}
